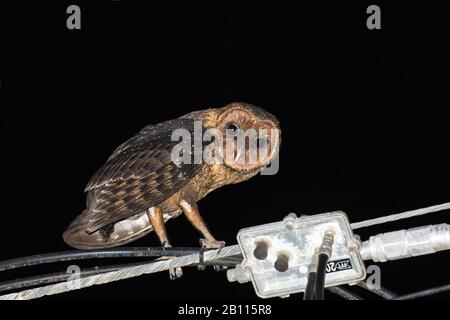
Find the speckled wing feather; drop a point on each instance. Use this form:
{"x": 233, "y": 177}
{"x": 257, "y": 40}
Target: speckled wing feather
{"x": 138, "y": 175}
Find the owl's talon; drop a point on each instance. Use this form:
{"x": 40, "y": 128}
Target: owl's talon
{"x": 175, "y": 273}
{"x": 219, "y": 268}
{"x": 165, "y": 245}
{"x": 212, "y": 244}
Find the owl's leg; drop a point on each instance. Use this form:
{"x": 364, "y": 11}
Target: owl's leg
{"x": 157, "y": 221}
{"x": 193, "y": 215}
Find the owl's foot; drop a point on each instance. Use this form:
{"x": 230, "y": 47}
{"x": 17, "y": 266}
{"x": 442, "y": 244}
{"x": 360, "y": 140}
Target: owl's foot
{"x": 156, "y": 219}
{"x": 219, "y": 268}
{"x": 175, "y": 273}
{"x": 212, "y": 244}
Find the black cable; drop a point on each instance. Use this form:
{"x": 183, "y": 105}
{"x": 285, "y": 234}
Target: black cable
{"x": 382, "y": 292}
{"x": 122, "y": 252}
{"x": 344, "y": 293}
{"x": 424, "y": 293}
{"x": 63, "y": 276}
{"x": 320, "y": 277}
{"x": 310, "y": 285}
{"x": 50, "y": 278}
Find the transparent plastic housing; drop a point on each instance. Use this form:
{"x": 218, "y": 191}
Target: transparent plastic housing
{"x": 277, "y": 256}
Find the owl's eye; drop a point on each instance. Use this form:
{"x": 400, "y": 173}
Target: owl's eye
{"x": 261, "y": 143}
{"x": 232, "y": 127}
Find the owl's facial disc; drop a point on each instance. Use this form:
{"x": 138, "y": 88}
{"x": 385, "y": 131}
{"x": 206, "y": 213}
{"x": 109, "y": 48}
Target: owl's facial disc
{"x": 251, "y": 137}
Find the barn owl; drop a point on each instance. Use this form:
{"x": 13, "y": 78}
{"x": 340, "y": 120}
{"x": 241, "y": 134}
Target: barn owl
{"x": 142, "y": 184}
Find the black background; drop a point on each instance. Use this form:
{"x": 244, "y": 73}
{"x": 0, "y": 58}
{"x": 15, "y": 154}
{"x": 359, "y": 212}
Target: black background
{"x": 363, "y": 114}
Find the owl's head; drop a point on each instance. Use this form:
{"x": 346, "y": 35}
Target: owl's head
{"x": 251, "y": 137}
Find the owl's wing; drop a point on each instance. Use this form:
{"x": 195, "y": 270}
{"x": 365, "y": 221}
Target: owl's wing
{"x": 138, "y": 175}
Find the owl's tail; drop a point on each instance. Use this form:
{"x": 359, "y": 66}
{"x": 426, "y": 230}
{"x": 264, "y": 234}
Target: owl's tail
{"x": 120, "y": 233}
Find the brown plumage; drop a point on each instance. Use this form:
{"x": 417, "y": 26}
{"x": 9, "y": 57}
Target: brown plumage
{"x": 140, "y": 187}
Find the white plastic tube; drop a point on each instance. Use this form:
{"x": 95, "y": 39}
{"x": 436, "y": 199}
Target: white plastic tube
{"x": 407, "y": 243}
